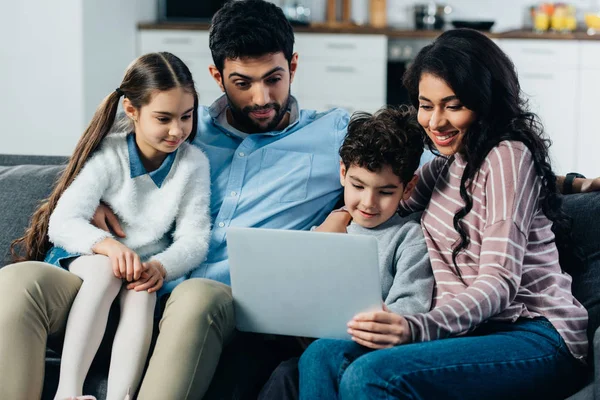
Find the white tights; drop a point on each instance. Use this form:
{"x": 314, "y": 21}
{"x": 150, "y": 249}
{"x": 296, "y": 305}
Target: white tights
{"x": 87, "y": 323}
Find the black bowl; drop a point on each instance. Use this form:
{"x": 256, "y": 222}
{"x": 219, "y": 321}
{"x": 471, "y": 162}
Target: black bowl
{"x": 479, "y": 25}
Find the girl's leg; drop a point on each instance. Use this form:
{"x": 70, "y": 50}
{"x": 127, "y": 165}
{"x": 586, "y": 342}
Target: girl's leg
{"x": 524, "y": 360}
{"x": 322, "y": 366}
{"x": 131, "y": 343}
{"x": 87, "y": 321}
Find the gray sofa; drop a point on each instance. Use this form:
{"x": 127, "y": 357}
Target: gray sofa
{"x": 25, "y": 180}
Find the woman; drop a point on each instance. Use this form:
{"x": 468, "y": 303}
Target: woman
{"x": 491, "y": 215}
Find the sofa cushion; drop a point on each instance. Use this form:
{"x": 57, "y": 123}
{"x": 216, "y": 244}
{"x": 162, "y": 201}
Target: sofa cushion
{"x": 585, "y": 211}
{"x": 22, "y": 188}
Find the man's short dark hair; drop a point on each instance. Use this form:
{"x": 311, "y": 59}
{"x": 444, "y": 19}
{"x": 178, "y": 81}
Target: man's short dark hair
{"x": 249, "y": 28}
{"x": 391, "y": 136}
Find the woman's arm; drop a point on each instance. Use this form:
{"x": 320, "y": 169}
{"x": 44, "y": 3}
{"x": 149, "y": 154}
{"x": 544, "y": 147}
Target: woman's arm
{"x": 428, "y": 176}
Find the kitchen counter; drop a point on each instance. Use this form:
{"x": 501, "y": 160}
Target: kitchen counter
{"x": 390, "y": 32}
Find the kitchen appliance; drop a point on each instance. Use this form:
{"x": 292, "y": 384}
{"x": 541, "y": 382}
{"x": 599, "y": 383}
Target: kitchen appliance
{"x": 431, "y": 16}
{"x": 401, "y": 52}
{"x": 185, "y": 10}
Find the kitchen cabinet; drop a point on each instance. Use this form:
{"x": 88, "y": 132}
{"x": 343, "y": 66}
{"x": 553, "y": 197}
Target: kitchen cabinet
{"x": 549, "y": 73}
{"x": 341, "y": 70}
{"x": 588, "y": 109}
{"x": 335, "y": 70}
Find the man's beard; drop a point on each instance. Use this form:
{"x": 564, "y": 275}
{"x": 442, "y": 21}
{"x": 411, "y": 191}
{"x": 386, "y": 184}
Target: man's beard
{"x": 242, "y": 115}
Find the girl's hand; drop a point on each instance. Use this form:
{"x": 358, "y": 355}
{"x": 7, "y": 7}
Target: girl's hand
{"x": 337, "y": 222}
{"x": 379, "y": 329}
{"x": 126, "y": 263}
{"x": 152, "y": 278}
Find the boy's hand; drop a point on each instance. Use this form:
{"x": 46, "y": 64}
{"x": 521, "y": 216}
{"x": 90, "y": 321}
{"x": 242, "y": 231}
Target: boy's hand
{"x": 125, "y": 262}
{"x": 379, "y": 329}
{"x": 337, "y": 222}
{"x": 152, "y": 278}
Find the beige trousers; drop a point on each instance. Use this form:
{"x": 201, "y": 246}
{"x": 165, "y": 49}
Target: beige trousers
{"x": 35, "y": 299}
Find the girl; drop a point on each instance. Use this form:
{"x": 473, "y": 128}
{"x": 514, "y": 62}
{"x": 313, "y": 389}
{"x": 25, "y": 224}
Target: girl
{"x": 491, "y": 214}
{"x": 158, "y": 186}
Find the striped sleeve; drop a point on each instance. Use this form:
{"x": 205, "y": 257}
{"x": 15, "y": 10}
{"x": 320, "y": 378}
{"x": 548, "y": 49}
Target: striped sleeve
{"x": 512, "y": 191}
{"x": 428, "y": 175}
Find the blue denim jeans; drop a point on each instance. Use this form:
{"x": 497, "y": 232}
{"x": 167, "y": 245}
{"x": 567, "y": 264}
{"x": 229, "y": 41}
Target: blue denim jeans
{"x": 499, "y": 360}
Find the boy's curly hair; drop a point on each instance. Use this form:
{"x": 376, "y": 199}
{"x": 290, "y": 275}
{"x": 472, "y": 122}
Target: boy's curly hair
{"x": 391, "y": 136}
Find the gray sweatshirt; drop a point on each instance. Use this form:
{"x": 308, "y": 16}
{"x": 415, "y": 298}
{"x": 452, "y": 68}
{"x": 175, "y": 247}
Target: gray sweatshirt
{"x": 404, "y": 267}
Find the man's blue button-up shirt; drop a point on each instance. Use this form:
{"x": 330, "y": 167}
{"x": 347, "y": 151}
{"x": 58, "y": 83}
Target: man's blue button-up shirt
{"x": 285, "y": 179}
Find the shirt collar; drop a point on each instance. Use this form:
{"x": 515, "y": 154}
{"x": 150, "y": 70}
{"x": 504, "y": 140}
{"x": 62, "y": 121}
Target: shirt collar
{"x": 221, "y": 105}
{"x": 136, "y": 167}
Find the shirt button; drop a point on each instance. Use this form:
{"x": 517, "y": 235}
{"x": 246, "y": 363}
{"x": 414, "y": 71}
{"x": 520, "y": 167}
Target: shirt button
{"x": 241, "y": 154}
{"x": 221, "y": 224}
{"x": 234, "y": 194}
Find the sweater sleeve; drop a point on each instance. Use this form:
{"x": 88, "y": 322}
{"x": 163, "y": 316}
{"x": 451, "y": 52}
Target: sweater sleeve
{"x": 512, "y": 191}
{"x": 428, "y": 175}
{"x": 412, "y": 289}
{"x": 69, "y": 226}
{"x": 192, "y": 224}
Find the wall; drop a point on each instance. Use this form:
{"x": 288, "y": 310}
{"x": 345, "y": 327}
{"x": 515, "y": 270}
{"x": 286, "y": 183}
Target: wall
{"x": 41, "y": 75}
{"x": 59, "y": 59}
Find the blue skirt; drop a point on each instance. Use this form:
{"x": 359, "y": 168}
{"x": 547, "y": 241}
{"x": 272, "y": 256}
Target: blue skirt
{"x": 60, "y": 257}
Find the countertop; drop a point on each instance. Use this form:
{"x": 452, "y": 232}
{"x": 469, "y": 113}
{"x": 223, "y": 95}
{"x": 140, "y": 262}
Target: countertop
{"x": 390, "y": 32}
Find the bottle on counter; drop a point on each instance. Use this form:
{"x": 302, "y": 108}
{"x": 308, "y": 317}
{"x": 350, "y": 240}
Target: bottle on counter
{"x": 378, "y": 13}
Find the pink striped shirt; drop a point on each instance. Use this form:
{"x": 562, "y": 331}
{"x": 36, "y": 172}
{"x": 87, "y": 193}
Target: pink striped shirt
{"x": 510, "y": 268}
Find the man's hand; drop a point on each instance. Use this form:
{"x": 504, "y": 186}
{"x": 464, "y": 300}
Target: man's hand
{"x": 126, "y": 263}
{"x": 105, "y": 219}
{"x": 337, "y": 222}
{"x": 379, "y": 329}
{"x": 152, "y": 278}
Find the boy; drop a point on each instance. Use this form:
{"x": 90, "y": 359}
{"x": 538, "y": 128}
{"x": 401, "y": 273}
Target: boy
{"x": 379, "y": 157}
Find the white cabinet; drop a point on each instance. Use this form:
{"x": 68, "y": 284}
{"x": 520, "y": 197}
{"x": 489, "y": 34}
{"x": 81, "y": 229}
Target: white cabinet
{"x": 549, "y": 73}
{"x": 588, "y": 107}
{"x": 341, "y": 70}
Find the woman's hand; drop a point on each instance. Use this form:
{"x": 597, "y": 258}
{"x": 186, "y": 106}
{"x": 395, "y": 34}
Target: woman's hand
{"x": 379, "y": 329}
{"x": 590, "y": 185}
{"x": 126, "y": 263}
{"x": 337, "y": 222}
{"x": 105, "y": 219}
{"x": 152, "y": 278}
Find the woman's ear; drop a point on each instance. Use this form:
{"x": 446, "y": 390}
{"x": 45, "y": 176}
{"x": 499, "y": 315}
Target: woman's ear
{"x": 409, "y": 187}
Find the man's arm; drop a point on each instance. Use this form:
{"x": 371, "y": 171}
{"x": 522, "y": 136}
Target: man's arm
{"x": 105, "y": 219}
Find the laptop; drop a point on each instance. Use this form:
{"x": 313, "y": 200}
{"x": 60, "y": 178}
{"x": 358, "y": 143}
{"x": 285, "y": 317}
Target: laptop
{"x": 301, "y": 283}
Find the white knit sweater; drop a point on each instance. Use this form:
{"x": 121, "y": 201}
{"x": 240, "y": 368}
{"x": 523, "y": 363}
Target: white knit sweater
{"x": 170, "y": 224}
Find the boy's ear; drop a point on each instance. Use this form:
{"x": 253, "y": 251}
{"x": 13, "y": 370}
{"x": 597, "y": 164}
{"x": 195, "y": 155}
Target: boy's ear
{"x": 342, "y": 173}
{"x": 216, "y": 74}
{"x": 409, "y": 187}
{"x": 130, "y": 110}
